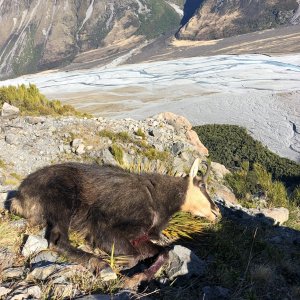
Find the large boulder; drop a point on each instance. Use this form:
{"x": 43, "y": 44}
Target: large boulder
{"x": 183, "y": 262}
{"x": 9, "y": 111}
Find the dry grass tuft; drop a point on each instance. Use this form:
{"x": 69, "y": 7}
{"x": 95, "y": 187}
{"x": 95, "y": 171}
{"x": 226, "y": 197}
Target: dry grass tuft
{"x": 10, "y": 237}
{"x": 184, "y": 225}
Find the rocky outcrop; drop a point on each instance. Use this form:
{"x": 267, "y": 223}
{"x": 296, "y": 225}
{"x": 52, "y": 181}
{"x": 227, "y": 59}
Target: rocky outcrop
{"x": 37, "y": 35}
{"x": 220, "y": 19}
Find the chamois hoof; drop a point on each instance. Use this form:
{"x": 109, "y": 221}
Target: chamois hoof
{"x": 134, "y": 282}
{"x": 99, "y": 267}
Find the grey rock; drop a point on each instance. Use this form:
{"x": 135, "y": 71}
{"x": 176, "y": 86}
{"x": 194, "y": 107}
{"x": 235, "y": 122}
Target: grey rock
{"x": 108, "y": 158}
{"x": 183, "y": 262}
{"x": 19, "y": 224}
{"x": 12, "y": 273}
{"x": 215, "y": 292}
{"x": 9, "y": 111}
{"x": 26, "y": 292}
{"x": 12, "y": 139}
{"x": 80, "y": 150}
{"x": 76, "y": 143}
{"x": 45, "y": 256}
{"x": 7, "y": 258}
{"x": 108, "y": 274}
{"x": 43, "y": 272}
{"x": 177, "y": 148}
{"x": 3, "y": 198}
{"x": 33, "y": 245}
{"x": 279, "y": 215}
{"x": 35, "y": 120}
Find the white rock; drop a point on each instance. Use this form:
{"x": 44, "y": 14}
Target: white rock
{"x": 33, "y": 245}
{"x": 9, "y": 111}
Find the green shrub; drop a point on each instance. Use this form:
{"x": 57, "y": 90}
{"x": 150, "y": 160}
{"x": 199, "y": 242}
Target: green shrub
{"x": 230, "y": 145}
{"x": 246, "y": 182}
{"x": 295, "y": 196}
{"x": 118, "y": 154}
{"x": 31, "y": 102}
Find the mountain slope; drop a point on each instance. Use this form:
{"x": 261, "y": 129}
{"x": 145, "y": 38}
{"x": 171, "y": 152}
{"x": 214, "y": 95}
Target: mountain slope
{"x": 37, "y": 35}
{"x": 224, "y": 18}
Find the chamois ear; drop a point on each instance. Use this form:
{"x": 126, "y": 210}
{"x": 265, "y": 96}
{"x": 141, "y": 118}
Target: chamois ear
{"x": 194, "y": 168}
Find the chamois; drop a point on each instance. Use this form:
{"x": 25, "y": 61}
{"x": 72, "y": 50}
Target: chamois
{"x": 109, "y": 205}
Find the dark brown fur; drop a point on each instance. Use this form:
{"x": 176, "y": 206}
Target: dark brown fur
{"x": 107, "y": 204}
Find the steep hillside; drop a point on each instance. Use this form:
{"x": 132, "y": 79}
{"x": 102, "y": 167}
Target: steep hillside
{"x": 224, "y": 18}
{"x": 38, "y": 35}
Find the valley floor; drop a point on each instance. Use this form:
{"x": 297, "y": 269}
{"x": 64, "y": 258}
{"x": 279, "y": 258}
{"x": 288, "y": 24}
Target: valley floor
{"x": 259, "y": 92}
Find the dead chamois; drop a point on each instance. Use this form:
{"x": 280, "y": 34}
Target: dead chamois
{"x": 109, "y": 205}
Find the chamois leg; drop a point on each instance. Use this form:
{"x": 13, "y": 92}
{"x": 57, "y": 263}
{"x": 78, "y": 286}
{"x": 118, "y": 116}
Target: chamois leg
{"x": 148, "y": 249}
{"x": 59, "y": 241}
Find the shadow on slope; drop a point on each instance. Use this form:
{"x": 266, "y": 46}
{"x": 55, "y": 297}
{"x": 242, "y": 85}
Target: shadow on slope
{"x": 189, "y": 9}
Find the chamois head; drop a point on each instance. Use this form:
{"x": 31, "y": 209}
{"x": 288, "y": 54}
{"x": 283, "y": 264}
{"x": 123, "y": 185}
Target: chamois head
{"x": 197, "y": 200}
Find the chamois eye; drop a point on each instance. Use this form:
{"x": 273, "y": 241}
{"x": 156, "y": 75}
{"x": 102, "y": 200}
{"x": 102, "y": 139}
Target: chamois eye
{"x": 202, "y": 185}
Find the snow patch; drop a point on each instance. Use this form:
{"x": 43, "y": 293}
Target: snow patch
{"x": 88, "y": 14}
{"x": 176, "y": 8}
{"x": 143, "y": 9}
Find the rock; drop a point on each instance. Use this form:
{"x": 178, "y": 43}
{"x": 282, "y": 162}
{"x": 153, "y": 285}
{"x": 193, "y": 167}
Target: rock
{"x": 178, "y": 122}
{"x": 33, "y": 245}
{"x": 35, "y": 120}
{"x": 45, "y": 257}
{"x": 223, "y": 192}
{"x": 76, "y": 143}
{"x": 12, "y": 139}
{"x": 219, "y": 170}
{"x": 215, "y": 292}
{"x": 279, "y": 215}
{"x": 193, "y": 138}
{"x": 7, "y": 258}
{"x": 108, "y": 158}
{"x": 12, "y": 273}
{"x": 177, "y": 148}
{"x": 4, "y": 291}
{"x": 26, "y": 292}
{"x": 9, "y": 111}
{"x": 3, "y": 197}
{"x": 179, "y": 166}
{"x": 183, "y": 262}
{"x": 19, "y": 224}
{"x": 43, "y": 272}
{"x": 108, "y": 274}
{"x": 80, "y": 150}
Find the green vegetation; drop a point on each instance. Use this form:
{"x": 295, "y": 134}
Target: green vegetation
{"x": 140, "y": 146}
{"x": 163, "y": 19}
{"x": 256, "y": 169}
{"x": 118, "y": 153}
{"x": 141, "y": 133}
{"x": 245, "y": 182}
{"x": 31, "y": 102}
{"x": 231, "y": 145}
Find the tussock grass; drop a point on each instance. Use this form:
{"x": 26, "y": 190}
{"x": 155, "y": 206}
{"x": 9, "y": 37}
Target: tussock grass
{"x": 184, "y": 225}
{"x": 10, "y": 237}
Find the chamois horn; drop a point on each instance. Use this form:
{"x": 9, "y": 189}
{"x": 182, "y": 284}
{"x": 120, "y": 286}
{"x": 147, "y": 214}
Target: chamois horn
{"x": 205, "y": 176}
